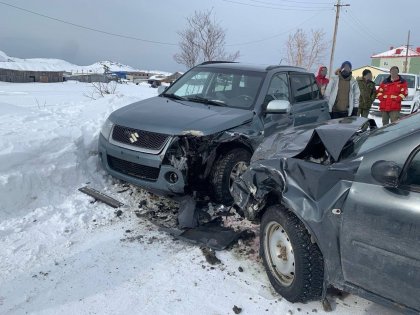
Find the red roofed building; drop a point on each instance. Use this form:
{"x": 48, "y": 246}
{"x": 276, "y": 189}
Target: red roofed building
{"x": 396, "y": 57}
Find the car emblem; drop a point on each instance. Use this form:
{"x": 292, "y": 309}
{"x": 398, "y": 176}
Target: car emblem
{"x": 134, "y": 136}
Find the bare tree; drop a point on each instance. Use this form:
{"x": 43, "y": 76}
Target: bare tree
{"x": 306, "y": 52}
{"x": 202, "y": 40}
{"x": 100, "y": 89}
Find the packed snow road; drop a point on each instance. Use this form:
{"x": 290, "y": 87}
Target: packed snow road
{"x": 62, "y": 253}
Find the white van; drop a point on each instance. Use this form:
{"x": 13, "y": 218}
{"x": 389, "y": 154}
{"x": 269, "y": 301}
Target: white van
{"x": 411, "y": 103}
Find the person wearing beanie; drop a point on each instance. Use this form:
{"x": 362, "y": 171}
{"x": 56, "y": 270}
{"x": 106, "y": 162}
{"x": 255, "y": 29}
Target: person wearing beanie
{"x": 367, "y": 93}
{"x": 390, "y": 94}
{"x": 321, "y": 79}
{"x": 342, "y": 92}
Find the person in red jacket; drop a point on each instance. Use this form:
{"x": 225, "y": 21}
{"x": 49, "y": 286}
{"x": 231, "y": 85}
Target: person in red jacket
{"x": 390, "y": 94}
{"x": 321, "y": 79}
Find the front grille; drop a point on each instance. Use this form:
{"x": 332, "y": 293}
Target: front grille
{"x": 139, "y": 138}
{"x": 133, "y": 169}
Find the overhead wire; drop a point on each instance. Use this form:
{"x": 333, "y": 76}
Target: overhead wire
{"x": 366, "y": 29}
{"x": 278, "y": 7}
{"x": 146, "y": 40}
{"x": 90, "y": 28}
{"x": 276, "y": 35}
{"x": 291, "y": 1}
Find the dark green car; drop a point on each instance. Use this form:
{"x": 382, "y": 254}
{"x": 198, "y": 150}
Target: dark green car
{"x": 200, "y": 133}
{"x": 339, "y": 205}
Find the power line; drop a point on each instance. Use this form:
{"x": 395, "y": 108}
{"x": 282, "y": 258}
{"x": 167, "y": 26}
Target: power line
{"x": 90, "y": 28}
{"x": 289, "y": 1}
{"x": 276, "y": 35}
{"x": 278, "y": 8}
{"x": 289, "y": 5}
{"x": 145, "y": 40}
{"x": 366, "y": 29}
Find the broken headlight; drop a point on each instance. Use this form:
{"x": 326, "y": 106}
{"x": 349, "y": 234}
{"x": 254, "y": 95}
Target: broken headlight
{"x": 106, "y": 129}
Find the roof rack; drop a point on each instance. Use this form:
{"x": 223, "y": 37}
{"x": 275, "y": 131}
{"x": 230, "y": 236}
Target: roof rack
{"x": 283, "y": 66}
{"x": 215, "y": 61}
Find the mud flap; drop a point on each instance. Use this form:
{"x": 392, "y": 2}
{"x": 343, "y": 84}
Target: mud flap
{"x": 97, "y": 195}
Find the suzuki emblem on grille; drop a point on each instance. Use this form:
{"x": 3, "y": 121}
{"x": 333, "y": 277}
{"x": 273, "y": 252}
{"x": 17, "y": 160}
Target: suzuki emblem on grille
{"x": 134, "y": 136}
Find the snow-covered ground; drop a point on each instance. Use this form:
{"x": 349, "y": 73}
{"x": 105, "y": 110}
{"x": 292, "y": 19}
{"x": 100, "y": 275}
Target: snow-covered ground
{"x": 63, "y": 254}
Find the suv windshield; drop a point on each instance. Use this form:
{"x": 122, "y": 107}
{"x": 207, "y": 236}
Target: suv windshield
{"x": 411, "y": 79}
{"x": 214, "y": 86}
{"x": 382, "y": 136}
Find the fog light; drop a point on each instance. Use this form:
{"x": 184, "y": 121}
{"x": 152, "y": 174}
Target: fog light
{"x": 172, "y": 177}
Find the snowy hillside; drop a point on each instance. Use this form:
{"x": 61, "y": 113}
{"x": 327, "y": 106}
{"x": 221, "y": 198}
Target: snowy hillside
{"x": 46, "y": 64}
{"x": 63, "y": 253}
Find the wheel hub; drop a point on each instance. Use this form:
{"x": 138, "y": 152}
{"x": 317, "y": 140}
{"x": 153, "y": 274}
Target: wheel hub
{"x": 279, "y": 253}
{"x": 237, "y": 170}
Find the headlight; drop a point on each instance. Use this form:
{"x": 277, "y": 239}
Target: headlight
{"x": 409, "y": 98}
{"x": 106, "y": 129}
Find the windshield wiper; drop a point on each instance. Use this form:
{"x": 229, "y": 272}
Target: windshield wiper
{"x": 204, "y": 100}
{"x": 173, "y": 96}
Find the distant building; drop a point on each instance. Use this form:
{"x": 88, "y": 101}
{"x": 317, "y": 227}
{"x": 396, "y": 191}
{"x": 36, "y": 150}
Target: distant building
{"x": 89, "y": 78}
{"x": 120, "y": 74}
{"x": 375, "y": 71}
{"x": 138, "y": 76}
{"x": 174, "y": 76}
{"x": 23, "y": 76}
{"x": 396, "y": 57}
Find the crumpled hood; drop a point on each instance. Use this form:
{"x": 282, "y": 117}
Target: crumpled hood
{"x": 163, "y": 115}
{"x": 334, "y": 134}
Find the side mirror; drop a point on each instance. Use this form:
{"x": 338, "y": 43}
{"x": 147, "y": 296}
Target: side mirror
{"x": 162, "y": 88}
{"x": 278, "y": 107}
{"x": 386, "y": 173}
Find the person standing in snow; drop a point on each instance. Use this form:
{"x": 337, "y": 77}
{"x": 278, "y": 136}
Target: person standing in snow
{"x": 367, "y": 93}
{"x": 321, "y": 79}
{"x": 390, "y": 94}
{"x": 342, "y": 92}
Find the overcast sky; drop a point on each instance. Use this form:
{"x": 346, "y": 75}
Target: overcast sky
{"x": 258, "y": 29}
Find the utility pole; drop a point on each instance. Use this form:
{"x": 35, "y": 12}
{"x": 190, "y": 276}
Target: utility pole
{"x": 406, "y": 54}
{"x": 337, "y": 16}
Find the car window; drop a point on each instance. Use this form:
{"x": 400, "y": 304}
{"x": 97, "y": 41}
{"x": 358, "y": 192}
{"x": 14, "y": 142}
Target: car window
{"x": 224, "y": 82}
{"x": 194, "y": 85}
{"x": 411, "y": 79}
{"x": 301, "y": 87}
{"x": 315, "y": 88}
{"x": 278, "y": 89}
{"x": 229, "y": 87}
{"x": 411, "y": 176}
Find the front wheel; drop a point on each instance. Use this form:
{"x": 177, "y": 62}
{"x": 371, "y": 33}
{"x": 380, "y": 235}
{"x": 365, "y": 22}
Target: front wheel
{"x": 293, "y": 263}
{"x": 226, "y": 170}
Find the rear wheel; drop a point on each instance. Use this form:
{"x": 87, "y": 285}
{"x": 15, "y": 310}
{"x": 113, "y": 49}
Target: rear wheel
{"x": 293, "y": 263}
{"x": 227, "y": 168}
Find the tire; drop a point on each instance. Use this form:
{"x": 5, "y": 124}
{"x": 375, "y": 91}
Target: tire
{"x": 222, "y": 171}
{"x": 293, "y": 263}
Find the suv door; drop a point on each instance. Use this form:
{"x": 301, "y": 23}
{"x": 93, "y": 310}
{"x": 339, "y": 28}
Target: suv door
{"x": 278, "y": 89}
{"x": 380, "y": 235}
{"x": 307, "y": 104}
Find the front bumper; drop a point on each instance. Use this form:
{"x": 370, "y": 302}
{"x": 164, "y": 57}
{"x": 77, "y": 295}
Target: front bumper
{"x": 141, "y": 169}
{"x": 406, "y": 107}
